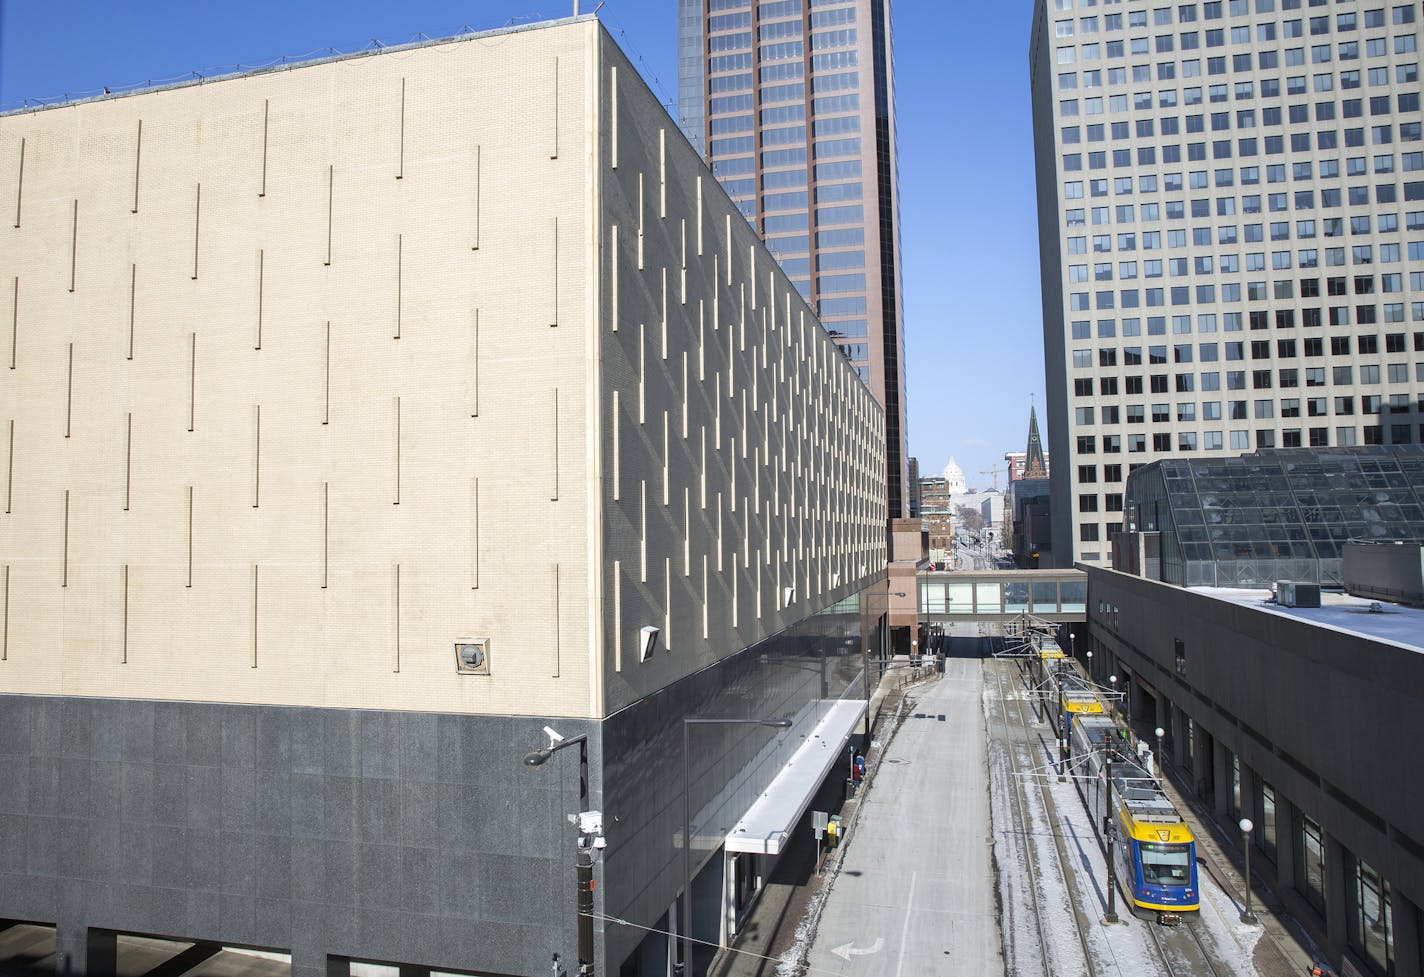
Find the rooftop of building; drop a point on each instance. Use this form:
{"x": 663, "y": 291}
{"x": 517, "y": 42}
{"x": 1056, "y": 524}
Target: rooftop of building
{"x": 285, "y": 63}
{"x": 1395, "y": 624}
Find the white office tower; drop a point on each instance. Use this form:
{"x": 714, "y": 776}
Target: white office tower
{"x": 1231, "y": 225}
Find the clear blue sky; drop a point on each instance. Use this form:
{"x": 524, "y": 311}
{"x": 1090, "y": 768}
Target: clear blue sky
{"x": 970, "y": 252}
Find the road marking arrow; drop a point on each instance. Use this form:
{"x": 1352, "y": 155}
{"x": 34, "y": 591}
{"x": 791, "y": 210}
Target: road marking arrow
{"x": 847, "y": 950}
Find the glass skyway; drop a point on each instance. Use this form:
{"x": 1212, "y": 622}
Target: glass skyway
{"x": 1001, "y": 595}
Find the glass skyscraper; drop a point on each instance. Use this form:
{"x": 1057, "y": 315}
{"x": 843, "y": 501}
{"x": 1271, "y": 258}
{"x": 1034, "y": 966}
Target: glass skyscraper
{"x": 1231, "y": 228}
{"x": 792, "y": 104}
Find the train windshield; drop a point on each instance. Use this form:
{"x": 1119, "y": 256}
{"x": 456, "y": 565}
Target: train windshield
{"x": 1166, "y": 864}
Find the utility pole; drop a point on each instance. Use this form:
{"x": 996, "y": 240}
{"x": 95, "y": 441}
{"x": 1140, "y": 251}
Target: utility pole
{"x": 1062, "y": 726}
{"x": 590, "y": 842}
{"x": 1109, "y": 828}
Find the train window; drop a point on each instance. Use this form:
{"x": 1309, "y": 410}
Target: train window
{"x": 1166, "y": 864}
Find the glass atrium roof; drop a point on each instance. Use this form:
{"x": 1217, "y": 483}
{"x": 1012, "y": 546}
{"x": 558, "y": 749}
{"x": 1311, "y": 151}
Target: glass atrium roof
{"x": 1282, "y": 514}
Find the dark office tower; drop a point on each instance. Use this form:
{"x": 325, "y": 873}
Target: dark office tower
{"x": 792, "y": 103}
{"x": 1231, "y": 238}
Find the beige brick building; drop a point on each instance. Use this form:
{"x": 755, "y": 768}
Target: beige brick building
{"x": 314, "y": 373}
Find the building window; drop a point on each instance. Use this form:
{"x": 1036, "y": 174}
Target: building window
{"x": 1235, "y": 787}
{"x": 1179, "y": 651}
{"x": 1371, "y": 923}
{"x": 1310, "y": 862}
{"x": 1266, "y": 832}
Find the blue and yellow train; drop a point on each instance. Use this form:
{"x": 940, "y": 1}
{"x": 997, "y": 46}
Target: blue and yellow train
{"x": 1154, "y": 850}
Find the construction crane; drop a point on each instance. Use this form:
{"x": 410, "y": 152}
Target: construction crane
{"x": 995, "y": 473}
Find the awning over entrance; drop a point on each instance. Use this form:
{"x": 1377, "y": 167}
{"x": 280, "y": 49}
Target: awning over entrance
{"x": 767, "y": 825}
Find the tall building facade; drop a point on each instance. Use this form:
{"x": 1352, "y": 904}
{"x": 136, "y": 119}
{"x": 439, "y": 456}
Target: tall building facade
{"x": 1231, "y": 232}
{"x": 792, "y": 104}
{"x": 367, "y": 417}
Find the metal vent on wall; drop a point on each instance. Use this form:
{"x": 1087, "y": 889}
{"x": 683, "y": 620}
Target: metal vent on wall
{"x": 472, "y": 656}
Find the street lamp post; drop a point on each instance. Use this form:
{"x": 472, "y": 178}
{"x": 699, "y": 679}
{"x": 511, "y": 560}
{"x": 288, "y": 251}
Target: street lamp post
{"x": 865, "y": 656}
{"x": 1112, "y": 680}
{"x": 586, "y": 846}
{"x": 1247, "y": 916}
{"x": 1161, "y": 757}
{"x": 687, "y": 724}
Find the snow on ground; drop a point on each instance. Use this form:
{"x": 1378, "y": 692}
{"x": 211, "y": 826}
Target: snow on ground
{"x": 1128, "y": 948}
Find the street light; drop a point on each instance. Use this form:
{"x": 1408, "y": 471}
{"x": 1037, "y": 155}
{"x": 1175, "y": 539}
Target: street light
{"x": 865, "y": 657}
{"x": 1161, "y": 757}
{"x": 687, "y": 724}
{"x": 1247, "y": 916}
{"x": 590, "y": 841}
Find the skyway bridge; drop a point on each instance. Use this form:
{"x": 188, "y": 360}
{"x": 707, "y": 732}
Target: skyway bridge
{"x": 1003, "y": 596}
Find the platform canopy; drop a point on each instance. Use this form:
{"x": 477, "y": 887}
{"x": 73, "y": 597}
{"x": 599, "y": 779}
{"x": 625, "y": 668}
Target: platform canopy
{"x": 768, "y": 824}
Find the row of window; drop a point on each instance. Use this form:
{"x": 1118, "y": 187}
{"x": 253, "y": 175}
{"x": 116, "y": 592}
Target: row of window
{"x": 770, "y": 9}
{"x": 1365, "y": 345}
{"x": 1206, "y": 322}
{"x": 1225, "y": 177}
{"x": 732, "y": 165}
{"x": 1187, "y": 14}
{"x": 1346, "y": 436}
{"x": 1325, "y": 140}
{"x": 1177, "y": 268}
{"x": 770, "y": 71}
{"x": 1222, "y": 121}
{"x": 1180, "y": 295}
{"x": 745, "y": 121}
{"x": 1403, "y": 45}
{"x": 1219, "y": 93}
{"x": 1093, "y": 51}
{"x": 1251, "y": 204}
{"x": 1286, "y": 378}
{"x": 1240, "y": 410}
{"x": 1386, "y": 222}
{"x": 771, "y": 50}
{"x": 786, "y": 97}
{"x": 1201, "y": 237}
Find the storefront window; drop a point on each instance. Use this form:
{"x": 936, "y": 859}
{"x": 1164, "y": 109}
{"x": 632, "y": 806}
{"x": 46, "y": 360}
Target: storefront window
{"x": 1371, "y": 926}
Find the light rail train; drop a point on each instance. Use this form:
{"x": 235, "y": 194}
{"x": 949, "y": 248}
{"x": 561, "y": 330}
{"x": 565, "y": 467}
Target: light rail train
{"x": 1154, "y": 850}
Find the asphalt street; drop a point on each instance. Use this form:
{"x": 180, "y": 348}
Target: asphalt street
{"x": 915, "y": 892}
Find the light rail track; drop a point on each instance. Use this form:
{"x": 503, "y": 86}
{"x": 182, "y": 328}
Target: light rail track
{"x": 1005, "y": 679}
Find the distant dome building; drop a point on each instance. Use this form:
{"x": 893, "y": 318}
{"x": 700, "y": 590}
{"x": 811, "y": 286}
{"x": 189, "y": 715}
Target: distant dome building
{"x": 954, "y": 478}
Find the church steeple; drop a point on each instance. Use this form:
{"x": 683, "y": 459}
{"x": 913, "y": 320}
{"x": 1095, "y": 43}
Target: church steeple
{"x": 1034, "y": 464}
